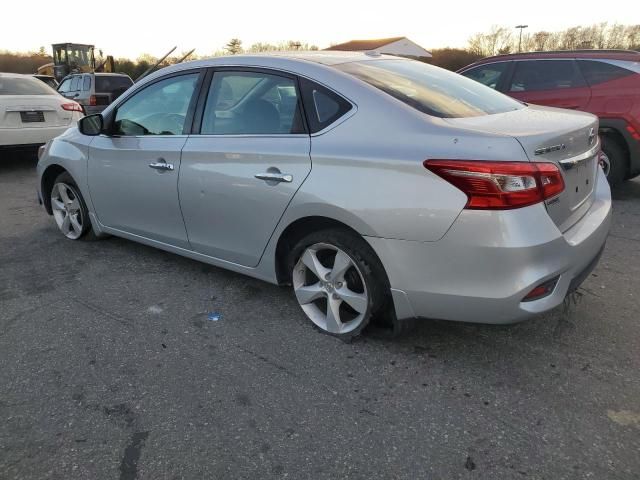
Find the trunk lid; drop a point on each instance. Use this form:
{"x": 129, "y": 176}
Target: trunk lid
{"x": 33, "y": 111}
{"x": 567, "y": 138}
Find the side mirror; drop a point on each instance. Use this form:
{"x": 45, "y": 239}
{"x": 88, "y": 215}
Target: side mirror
{"x": 91, "y": 125}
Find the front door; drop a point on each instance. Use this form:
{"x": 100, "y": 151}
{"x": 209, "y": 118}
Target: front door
{"x": 133, "y": 173}
{"x": 241, "y": 171}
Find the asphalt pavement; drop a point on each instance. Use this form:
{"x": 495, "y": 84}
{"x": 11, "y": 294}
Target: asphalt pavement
{"x": 119, "y": 361}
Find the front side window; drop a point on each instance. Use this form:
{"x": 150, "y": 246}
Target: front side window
{"x": 159, "y": 109}
{"x": 86, "y": 86}
{"x": 488, "y": 75}
{"x": 65, "y": 86}
{"x": 251, "y": 103}
{"x": 430, "y": 89}
{"x": 75, "y": 82}
{"x": 533, "y": 75}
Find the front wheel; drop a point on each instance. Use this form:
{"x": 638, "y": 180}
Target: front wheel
{"x": 338, "y": 281}
{"x": 69, "y": 209}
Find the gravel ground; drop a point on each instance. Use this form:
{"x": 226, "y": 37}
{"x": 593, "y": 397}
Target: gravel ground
{"x": 111, "y": 369}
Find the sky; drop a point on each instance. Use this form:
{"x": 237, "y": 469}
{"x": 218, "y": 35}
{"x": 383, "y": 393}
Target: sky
{"x": 136, "y": 27}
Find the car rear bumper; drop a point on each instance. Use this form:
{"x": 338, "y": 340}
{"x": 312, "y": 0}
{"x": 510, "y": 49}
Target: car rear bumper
{"x": 13, "y": 138}
{"x": 489, "y": 261}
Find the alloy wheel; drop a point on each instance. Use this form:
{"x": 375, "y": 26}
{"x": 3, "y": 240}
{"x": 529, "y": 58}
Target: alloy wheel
{"x": 330, "y": 288}
{"x": 605, "y": 163}
{"x": 67, "y": 210}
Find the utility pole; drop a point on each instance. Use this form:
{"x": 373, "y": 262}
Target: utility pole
{"x": 521, "y": 27}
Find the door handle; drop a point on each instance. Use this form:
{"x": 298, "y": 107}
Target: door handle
{"x": 275, "y": 177}
{"x": 162, "y": 165}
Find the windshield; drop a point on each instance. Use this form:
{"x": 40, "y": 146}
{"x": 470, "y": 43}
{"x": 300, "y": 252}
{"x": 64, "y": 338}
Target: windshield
{"x": 430, "y": 89}
{"x": 24, "y": 86}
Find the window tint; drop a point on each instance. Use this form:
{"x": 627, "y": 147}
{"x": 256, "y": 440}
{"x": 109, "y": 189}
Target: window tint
{"x": 75, "y": 81}
{"x": 534, "y": 75}
{"x": 112, "y": 83}
{"x": 23, "y": 86}
{"x": 488, "y": 75}
{"x": 86, "y": 86}
{"x": 430, "y": 89}
{"x": 251, "y": 103}
{"x": 323, "y": 107}
{"x": 599, "y": 72}
{"x": 65, "y": 85}
{"x": 159, "y": 109}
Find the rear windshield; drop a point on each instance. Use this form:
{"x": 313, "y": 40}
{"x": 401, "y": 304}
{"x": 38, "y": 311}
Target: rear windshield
{"x": 430, "y": 89}
{"x": 24, "y": 86}
{"x": 108, "y": 84}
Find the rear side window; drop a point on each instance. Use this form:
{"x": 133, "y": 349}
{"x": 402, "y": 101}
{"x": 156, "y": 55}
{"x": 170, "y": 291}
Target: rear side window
{"x": 23, "y": 86}
{"x": 87, "y": 83}
{"x": 596, "y": 72}
{"x": 430, "y": 89}
{"x": 489, "y": 75}
{"x": 112, "y": 83}
{"x": 533, "y": 75}
{"x": 251, "y": 103}
{"x": 322, "y": 106}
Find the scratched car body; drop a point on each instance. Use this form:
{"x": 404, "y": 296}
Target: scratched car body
{"x": 376, "y": 187}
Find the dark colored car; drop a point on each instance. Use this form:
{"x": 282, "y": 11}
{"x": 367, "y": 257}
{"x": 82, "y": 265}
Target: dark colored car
{"x": 94, "y": 91}
{"x": 603, "y": 82}
{"x": 48, "y": 79}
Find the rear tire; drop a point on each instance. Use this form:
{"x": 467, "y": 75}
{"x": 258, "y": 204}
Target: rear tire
{"x": 338, "y": 281}
{"x": 617, "y": 160}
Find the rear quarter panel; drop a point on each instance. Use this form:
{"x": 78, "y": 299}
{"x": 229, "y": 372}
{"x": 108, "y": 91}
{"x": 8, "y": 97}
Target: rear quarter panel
{"x": 368, "y": 171}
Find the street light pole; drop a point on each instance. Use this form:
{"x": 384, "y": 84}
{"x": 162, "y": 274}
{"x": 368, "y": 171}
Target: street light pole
{"x": 521, "y": 27}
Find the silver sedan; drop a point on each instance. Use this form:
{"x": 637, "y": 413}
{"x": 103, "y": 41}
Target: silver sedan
{"x": 377, "y": 187}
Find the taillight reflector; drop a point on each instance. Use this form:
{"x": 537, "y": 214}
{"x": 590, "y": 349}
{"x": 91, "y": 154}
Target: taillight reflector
{"x": 634, "y": 133}
{"x": 491, "y": 185}
{"x": 541, "y": 291}
{"x": 92, "y": 101}
{"x": 72, "y": 107}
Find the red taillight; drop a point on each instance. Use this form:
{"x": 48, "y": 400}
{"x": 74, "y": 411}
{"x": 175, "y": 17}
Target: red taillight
{"x": 634, "y": 133}
{"x": 500, "y": 185}
{"x": 72, "y": 107}
{"x": 92, "y": 101}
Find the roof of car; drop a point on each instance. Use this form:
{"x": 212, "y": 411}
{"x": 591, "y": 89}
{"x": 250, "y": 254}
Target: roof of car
{"x": 323, "y": 57}
{"x": 630, "y": 55}
{"x": 14, "y": 75}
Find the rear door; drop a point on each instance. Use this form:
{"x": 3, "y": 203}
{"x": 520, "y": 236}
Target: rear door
{"x": 245, "y": 161}
{"x": 552, "y": 82}
{"x": 133, "y": 173}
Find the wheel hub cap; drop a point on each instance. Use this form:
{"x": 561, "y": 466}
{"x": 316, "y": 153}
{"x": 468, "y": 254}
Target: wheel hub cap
{"x": 330, "y": 289}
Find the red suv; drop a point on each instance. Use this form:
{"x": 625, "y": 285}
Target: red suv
{"x": 603, "y": 82}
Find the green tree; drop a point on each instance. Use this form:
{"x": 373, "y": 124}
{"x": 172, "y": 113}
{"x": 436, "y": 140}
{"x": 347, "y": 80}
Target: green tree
{"x": 234, "y": 46}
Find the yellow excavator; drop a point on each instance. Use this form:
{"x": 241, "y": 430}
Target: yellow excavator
{"x": 75, "y": 58}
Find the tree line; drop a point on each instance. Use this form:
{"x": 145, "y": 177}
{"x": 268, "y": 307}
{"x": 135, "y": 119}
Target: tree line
{"x": 498, "y": 40}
